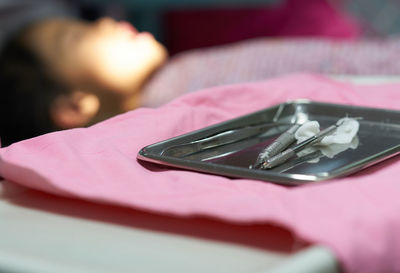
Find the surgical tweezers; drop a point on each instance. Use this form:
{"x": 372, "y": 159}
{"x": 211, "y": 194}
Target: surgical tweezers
{"x": 290, "y": 152}
{"x": 277, "y": 146}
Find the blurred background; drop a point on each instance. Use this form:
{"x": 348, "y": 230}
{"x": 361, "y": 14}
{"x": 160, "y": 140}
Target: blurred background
{"x": 209, "y": 43}
{"x": 183, "y": 25}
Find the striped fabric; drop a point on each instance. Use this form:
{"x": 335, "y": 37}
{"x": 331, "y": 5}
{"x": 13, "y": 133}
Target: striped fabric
{"x": 259, "y": 59}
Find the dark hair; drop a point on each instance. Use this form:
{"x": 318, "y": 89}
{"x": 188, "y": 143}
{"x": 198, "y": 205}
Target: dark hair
{"x": 27, "y": 91}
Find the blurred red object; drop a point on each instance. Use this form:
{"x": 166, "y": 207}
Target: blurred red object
{"x": 187, "y": 29}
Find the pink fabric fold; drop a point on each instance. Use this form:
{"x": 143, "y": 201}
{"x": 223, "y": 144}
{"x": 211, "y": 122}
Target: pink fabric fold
{"x": 357, "y": 216}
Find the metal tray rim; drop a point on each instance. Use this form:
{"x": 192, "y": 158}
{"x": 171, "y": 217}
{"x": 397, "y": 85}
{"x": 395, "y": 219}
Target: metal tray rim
{"x": 145, "y": 154}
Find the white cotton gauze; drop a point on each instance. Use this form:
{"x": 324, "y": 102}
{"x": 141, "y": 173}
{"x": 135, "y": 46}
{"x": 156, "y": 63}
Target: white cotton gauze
{"x": 344, "y": 134}
{"x": 335, "y": 148}
{"x": 344, "y": 137}
{"x": 307, "y": 130}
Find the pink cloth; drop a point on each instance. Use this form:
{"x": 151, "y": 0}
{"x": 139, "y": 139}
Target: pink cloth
{"x": 356, "y": 216}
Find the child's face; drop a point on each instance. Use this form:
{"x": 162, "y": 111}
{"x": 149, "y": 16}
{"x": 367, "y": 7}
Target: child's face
{"x": 111, "y": 59}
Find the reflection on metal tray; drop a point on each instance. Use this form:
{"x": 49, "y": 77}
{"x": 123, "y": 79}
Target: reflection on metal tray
{"x": 229, "y": 148}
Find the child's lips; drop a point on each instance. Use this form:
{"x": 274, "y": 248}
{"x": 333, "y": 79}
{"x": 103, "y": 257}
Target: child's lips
{"x": 128, "y": 27}
{"x": 145, "y": 35}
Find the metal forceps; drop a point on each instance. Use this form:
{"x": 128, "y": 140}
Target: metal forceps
{"x": 222, "y": 138}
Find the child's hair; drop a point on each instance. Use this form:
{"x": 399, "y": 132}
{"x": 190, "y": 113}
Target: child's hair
{"x": 27, "y": 91}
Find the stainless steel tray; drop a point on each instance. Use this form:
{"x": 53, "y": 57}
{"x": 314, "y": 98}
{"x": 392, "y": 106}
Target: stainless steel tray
{"x": 229, "y": 148}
